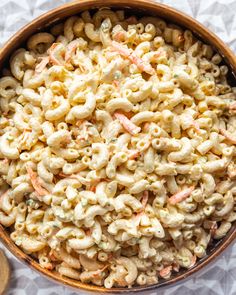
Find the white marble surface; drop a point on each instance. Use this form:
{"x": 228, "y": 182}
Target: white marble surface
{"x": 220, "y": 277}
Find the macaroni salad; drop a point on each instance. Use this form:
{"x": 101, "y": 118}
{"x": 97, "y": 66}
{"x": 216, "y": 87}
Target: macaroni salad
{"x": 117, "y": 149}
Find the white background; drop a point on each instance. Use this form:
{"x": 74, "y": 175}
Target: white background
{"x": 220, "y": 277}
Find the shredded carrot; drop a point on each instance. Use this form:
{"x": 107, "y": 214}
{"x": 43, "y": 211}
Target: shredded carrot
{"x": 138, "y": 217}
{"x": 213, "y": 228}
{"x": 146, "y": 126}
{"x": 52, "y": 256}
{"x": 42, "y": 65}
{"x": 51, "y": 52}
{"x": 165, "y": 271}
{"x": 175, "y": 266}
{"x": 93, "y": 188}
{"x": 193, "y": 261}
{"x": 98, "y": 272}
{"x": 71, "y": 48}
{"x": 129, "y": 54}
{"x": 48, "y": 266}
{"x": 228, "y": 136}
{"x": 141, "y": 64}
{"x": 180, "y": 196}
{"x": 35, "y": 182}
{"x": 144, "y": 198}
{"x": 127, "y": 124}
{"x": 119, "y": 36}
{"x": 116, "y": 83}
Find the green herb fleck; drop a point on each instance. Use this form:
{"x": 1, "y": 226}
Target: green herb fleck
{"x": 30, "y": 202}
{"x": 117, "y": 75}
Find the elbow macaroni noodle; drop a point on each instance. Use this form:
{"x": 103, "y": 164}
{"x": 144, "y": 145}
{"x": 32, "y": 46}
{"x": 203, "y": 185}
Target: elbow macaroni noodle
{"x": 117, "y": 149}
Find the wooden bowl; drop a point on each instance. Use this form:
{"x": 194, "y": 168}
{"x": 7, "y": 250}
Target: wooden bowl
{"x": 141, "y": 7}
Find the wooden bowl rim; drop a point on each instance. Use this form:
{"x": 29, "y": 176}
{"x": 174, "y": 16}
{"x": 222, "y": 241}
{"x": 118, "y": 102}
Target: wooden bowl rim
{"x": 153, "y": 8}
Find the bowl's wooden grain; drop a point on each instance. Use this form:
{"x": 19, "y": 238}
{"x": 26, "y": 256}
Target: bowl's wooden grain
{"x": 4, "y": 273}
{"x": 139, "y": 6}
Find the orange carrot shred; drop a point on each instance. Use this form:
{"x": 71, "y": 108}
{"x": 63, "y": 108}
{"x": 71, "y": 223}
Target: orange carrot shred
{"x": 180, "y": 196}
{"x": 127, "y": 124}
{"x": 129, "y": 54}
{"x": 42, "y": 65}
{"x": 228, "y": 135}
{"x": 35, "y": 183}
{"x": 165, "y": 271}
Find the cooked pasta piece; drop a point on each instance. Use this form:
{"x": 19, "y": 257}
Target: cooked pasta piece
{"x": 117, "y": 148}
